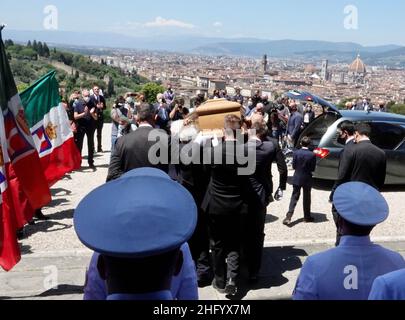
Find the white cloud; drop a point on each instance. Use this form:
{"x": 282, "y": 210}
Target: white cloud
{"x": 218, "y": 24}
{"x": 162, "y": 22}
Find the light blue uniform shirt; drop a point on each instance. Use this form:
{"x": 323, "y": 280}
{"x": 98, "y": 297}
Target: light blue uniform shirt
{"x": 346, "y": 272}
{"x": 154, "y": 296}
{"x": 184, "y": 286}
{"x": 389, "y": 287}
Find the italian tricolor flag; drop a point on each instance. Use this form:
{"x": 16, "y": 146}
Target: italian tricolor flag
{"x": 23, "y": 185}
{"x": 50, "y": 128}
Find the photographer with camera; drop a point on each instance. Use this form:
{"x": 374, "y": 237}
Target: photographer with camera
{"x": 179, "y": 111}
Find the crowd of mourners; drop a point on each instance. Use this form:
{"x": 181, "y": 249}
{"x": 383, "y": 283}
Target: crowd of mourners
{"x": 160, "y": 230}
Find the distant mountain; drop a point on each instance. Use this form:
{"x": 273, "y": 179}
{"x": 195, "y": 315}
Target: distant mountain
{"x": 399, "y": 52}
{"x": 112, "y": 40}
{"x": 287, "y": 48}
{"x": 211, "y": 46}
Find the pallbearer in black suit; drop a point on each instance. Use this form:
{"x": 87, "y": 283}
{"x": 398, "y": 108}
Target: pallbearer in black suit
{"x": 364, "y": 162}
{"x": 346, "y": 137}
{"x": 259, "y": 195}
{"x": 195, "y": 177}
{"x": 225, "y": 205}
{"x": 304, "y": 164}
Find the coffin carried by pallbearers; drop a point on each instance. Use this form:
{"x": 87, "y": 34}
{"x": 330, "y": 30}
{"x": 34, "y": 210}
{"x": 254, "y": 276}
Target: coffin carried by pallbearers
{"x": 211, "y": 115}
{"x": 208, "y": 118}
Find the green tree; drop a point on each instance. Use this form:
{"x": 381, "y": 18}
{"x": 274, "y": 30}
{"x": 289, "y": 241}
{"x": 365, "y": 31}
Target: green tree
{"x": 151, "y": 90}
{"x": 110, "y": 87}
{"x": 28, "y": 54}
{"x": 35, "y": 46}
{"x": 47, "y": 52}
{"x": 40, "y": 49}
{"x": 8, "y": 43}
{"x": 29, "y": 44}
{"x": 397, "y": 108}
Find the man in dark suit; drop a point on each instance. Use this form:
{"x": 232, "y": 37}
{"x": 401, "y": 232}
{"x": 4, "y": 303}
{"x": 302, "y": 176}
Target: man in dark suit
{"x": 195, "y": 178}
{"x": 98, "y": 102}
{"x": 346, "y": 131}
{"x": 363, "y": 162}
{"x": 225, "y": 204}
{"x": 294, "y": 126}
{"x": 135, "y": 151}
{"x": 280, "y": 161}
{"x": 304, "y": 164}
{"x": 259, "y": 195}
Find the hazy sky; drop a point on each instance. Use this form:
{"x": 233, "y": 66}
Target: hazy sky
{"x": 379, "y": 22}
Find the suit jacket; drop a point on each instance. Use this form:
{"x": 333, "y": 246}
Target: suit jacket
{"x": 294, "y": 125}
{"x": 341, "y": 176}
{"x": 194, "y": 176}
{"x": 363, "y": 162}
{"x": 132, "y": 152}
{"x": 304, "y": 164}
{"x": 260, "y": 188}
{"x": 225, "y": 193}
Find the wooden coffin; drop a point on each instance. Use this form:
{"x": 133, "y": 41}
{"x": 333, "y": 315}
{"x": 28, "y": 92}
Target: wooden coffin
{"x": 211, "y": 115}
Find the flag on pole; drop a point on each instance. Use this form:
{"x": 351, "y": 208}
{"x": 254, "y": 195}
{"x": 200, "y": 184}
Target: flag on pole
{"x": 50, "y": 128}
{"x": 20, "y": 166}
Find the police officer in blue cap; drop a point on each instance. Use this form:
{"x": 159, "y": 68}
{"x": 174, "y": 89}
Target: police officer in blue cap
{"x": 389, "y": 287}
{"x": 184, "y": 285}
{"x": 137, "y": 233}
{"x": 348, "y": 271}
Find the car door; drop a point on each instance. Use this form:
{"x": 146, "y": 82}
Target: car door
{"x": 391, "y": 138}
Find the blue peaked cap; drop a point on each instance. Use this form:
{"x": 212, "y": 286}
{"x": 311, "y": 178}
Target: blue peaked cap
{"x": 360, "y": 204}
{"x": 144, "y": 213}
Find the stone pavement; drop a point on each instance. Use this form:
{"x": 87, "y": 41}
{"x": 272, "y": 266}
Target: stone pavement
{"x": 28, "y": 281}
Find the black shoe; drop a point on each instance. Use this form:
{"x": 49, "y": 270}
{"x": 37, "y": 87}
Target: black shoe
{"x": 20, "y": 234}
{"x": 231, "y": 288}
{"x": 92, "y": 167}
{"x": 216, "y": 287}
{"x": 309, "y": 220}
{"x": 204, "y": 281}
{"x": 40, "y": 216}
{"x": 287, "y": 220}
{"x": 100, "y": 150}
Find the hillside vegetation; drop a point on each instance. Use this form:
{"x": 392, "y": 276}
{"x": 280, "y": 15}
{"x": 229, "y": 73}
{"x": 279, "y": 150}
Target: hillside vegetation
{"x": 30, "y": 62}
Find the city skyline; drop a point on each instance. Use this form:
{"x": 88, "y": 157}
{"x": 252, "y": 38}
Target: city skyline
{"x": 291, "y": 19}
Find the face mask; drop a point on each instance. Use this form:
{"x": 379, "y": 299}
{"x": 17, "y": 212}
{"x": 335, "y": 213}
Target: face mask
{"x": 87, "y": 99}
{"x": 250, "y": 103}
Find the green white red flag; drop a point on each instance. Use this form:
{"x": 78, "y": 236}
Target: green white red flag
{"x": 50, "y": 128}
{"x": 21, "y": 173}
